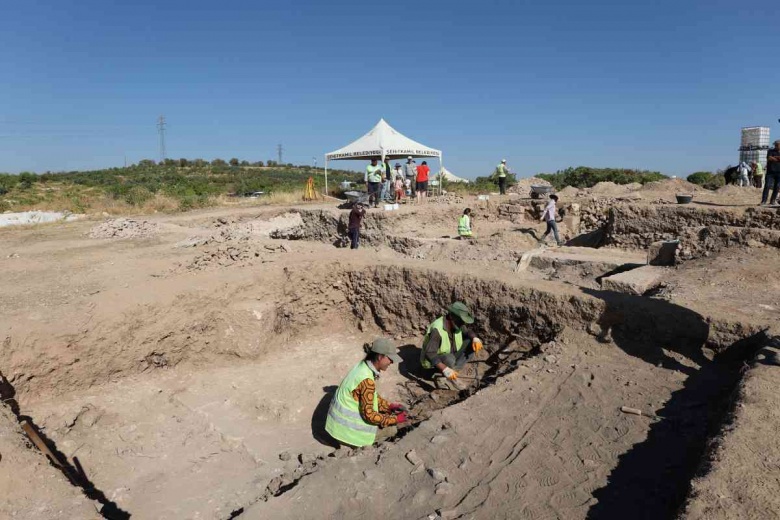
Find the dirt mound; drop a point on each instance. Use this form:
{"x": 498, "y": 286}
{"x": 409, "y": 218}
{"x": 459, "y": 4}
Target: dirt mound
{"x": 570, "y": 192}
{"x": 523, "y": 186}
{"x": 672, "y": 186}
{"x": 234, "y": 254}
{"x": 124, "y": 228}
{"x": 236, "y": 229}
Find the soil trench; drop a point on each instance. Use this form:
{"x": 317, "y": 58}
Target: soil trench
{"x": 205, "y": 396}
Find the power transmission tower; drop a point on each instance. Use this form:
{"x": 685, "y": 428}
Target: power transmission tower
{"x": 279, "y": 151}
{"x": 161, "y": 131}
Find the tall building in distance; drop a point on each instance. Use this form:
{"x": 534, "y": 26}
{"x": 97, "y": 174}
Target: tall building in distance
{"x": 754, "y": 144}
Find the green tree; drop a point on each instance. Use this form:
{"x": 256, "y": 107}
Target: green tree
{"x": 218, "y": 162}
{"x": 233, "y": 162}
{"x": 258, "y": 164}
{"x": 146, "y": 163}
{"x": 26, "y": 180}
{"x": 183, "y": 162}
{"x": 244, "y": 163}
{"x": 700, "y": 178}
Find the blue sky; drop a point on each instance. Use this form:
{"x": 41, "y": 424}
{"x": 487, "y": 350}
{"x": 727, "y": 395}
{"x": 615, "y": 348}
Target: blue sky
{"x": 655, "y": 85}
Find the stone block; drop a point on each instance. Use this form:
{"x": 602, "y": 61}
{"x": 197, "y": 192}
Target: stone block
{"x": 637, "y": 281}
{"x": 663, "y": 252}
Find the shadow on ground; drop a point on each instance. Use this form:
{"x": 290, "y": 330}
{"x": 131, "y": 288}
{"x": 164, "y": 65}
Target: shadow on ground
{"x": 652, "y": 479}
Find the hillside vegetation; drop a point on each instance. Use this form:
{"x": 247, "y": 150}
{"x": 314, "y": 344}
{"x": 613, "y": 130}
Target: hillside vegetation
{"x": 586, "y": 177}
{"x": 168, "y": 186}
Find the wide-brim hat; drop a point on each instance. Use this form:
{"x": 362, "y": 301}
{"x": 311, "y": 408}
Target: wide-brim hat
{"x": 387, "y": 348}
{"x": 460, "y": 310}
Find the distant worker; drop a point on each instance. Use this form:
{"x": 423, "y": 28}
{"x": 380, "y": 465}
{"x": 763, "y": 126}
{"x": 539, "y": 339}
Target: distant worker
{"x": 355, "y": 221}
{"x": 772, "y": 174}
{"x": 374, "y": 174}
{"x": 410, "y": 172}
{"x": 549, "y": 216}
{"x": 422, "y": 182}
{"x": 743, "y": 170}
{"x": 758, "y": 174}
{"x": 501, "y": 172}
{"x": 448, "y": 345}
{"x": 357, "y": 411}
{"x": 464, "y": 224}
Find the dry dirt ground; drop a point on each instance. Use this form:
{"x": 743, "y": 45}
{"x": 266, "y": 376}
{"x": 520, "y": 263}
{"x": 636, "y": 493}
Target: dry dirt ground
{"x": 181, "y": 366}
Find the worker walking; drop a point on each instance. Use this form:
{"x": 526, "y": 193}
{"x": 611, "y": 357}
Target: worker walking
{"x": 549, "y": 216}
{"x": 501, "y": 172}
{"x": 448, "y": 345}
{"x": 357, "y": 411}
{"x": 464, "y": 224}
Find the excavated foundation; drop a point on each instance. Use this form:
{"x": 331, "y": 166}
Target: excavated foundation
{"x": 223, "y": 407}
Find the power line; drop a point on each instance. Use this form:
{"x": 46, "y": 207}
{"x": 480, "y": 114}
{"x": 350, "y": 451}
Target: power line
{"x": 161, "y": 131}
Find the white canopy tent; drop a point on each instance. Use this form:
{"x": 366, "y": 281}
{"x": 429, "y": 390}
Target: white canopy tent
{"x": 382, "y": 141}
{"x": 447, "y": 175}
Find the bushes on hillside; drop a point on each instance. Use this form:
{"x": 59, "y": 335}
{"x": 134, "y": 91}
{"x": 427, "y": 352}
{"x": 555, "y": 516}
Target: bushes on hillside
{"x": 585, "y": 177}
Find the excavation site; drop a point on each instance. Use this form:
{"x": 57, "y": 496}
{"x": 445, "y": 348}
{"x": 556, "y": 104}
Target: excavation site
{"x": 182, "y": 366}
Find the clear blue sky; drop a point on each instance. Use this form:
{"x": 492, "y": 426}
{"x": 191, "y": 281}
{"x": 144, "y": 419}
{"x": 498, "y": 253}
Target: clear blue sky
{"x": 657, "y": 85}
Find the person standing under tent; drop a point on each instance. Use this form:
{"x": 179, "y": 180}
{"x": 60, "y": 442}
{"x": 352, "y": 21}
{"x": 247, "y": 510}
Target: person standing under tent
{"x": 422, "y": 182}
{"x": 374, "y": 174}
{"x": 399, "y": 187}
{"x": 501, "y": 172}
{"x": 410, "y": 172}
{"x": 388, "y": 170}
{"x": 397, "y": 170}
{"x": 772, "y": 174}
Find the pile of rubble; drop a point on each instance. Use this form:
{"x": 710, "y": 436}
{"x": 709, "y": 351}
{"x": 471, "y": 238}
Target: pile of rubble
{"x": 124, "y": 228}
{"x": 235, "y": 254}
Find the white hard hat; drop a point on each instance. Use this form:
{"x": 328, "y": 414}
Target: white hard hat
{"x": 410, "y": 157}
{"x": 503, "y": 160}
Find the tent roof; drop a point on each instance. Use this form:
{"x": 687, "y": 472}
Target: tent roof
{"x": 382, "y": 141}
{"x": 448, "y": 175}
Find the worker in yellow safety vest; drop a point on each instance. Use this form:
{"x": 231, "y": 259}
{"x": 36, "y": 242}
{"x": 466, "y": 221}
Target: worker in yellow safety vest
{"x": 500, "y": 173}
{"x": 464, "y": 224}
{"x": 357, "y": 411}
{"x": 448, "y": 345}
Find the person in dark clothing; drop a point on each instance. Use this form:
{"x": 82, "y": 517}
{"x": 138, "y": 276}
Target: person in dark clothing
{"x": 772, "y": 174}
{"x": 355, "y": 220}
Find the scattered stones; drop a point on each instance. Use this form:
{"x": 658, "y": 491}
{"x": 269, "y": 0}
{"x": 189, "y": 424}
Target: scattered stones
{"x": 284, "y": 456}
{"x": 549, "y": 358}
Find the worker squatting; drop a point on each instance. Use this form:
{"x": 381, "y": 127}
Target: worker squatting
{"x": 357, "y": 411}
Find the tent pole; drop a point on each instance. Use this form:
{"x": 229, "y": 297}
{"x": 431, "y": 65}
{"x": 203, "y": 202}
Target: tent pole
{"x": 441, "y": 173}
{"x": 326, "y": 175}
